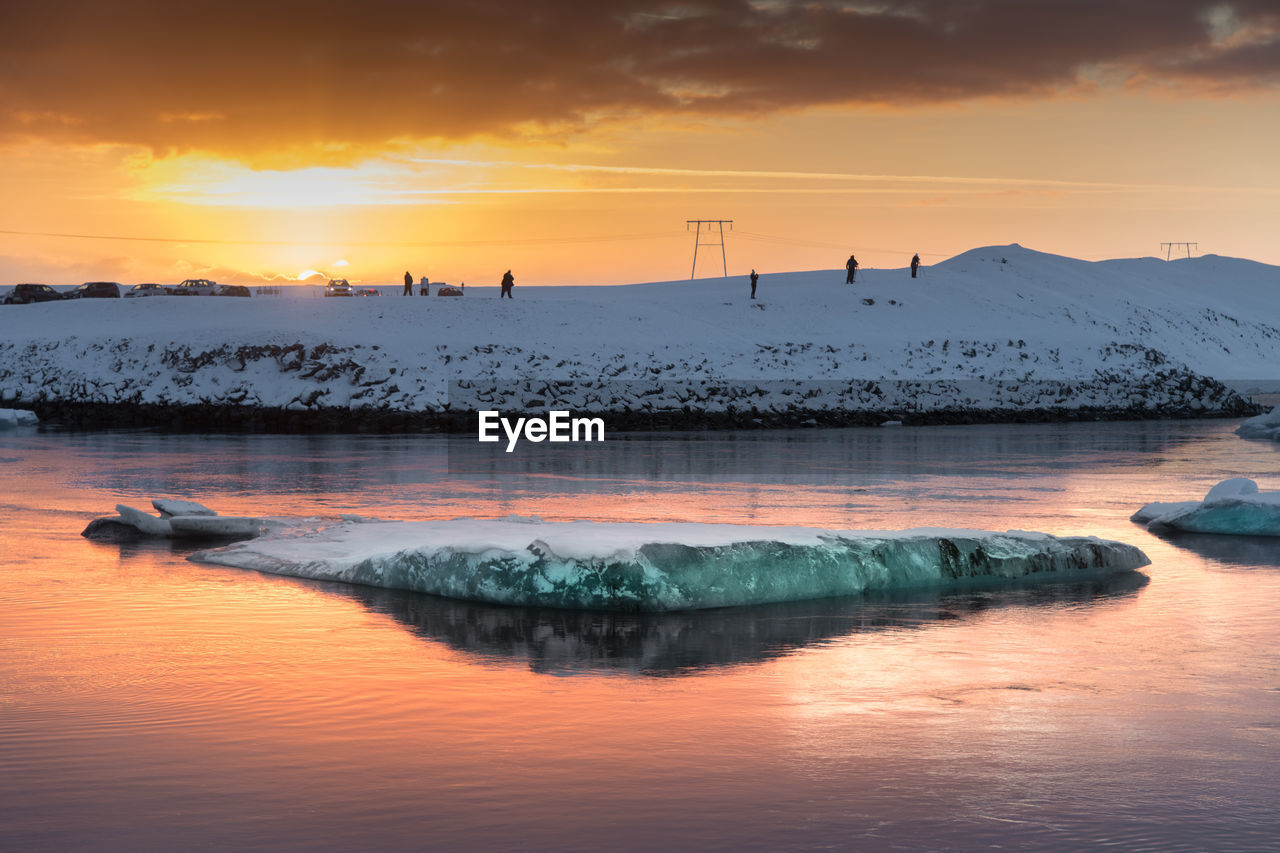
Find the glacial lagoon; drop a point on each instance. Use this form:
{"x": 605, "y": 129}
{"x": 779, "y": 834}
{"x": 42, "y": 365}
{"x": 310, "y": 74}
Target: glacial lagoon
{"x": 150, "y": 702}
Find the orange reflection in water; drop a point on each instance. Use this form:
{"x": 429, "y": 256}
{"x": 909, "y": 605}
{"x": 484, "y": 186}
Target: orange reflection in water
{"x": 149, "y": 702}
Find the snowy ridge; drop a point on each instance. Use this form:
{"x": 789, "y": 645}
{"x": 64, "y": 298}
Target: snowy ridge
{"x": 1001, "y": 328}
{"x": 660, "y": 567}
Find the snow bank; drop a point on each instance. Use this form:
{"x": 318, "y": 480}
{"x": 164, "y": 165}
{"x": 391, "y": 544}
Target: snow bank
{"x": 1001, "y": 328}
{"x": 1234, "y": 506}
{"x": 1265, "y": 426}
{"x": 660, "y": 567}
{"x": 17, "y": 417}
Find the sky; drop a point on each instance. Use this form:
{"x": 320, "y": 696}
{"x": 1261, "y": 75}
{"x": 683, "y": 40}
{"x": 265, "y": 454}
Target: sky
{"x": 571, "y": 143}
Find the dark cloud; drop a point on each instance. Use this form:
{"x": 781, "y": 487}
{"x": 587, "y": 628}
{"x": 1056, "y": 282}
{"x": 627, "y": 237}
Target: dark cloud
{"x": 248, "y": 78}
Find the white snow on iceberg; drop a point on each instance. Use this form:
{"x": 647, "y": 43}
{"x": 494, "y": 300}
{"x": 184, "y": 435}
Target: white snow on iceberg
{"x": 660, "y": 567}
{"x": 1266, "y": 426}
{"x": 1234, "y": 506}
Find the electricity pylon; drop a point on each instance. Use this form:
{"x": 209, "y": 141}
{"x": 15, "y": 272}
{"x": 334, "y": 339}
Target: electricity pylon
{"x": 1168, "y": 248}
{"x": 697, "y": 240}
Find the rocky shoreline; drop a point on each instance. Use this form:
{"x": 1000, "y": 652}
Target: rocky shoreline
{"x": 244, "y": 419}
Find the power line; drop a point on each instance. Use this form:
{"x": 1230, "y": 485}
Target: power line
{"x": 606, "y": 238}
{"x": 792, "y": 241}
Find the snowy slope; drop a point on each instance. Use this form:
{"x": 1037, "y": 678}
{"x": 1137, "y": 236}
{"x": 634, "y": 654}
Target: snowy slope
{"x": 998, "y": 327}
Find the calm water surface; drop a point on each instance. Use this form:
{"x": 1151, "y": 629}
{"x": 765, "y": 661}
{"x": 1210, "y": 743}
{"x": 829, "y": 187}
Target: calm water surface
{"x": 150, "y": 703}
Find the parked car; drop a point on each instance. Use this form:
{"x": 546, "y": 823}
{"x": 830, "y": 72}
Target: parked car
{"x": 195, "y": 287}
{"x": 140, "y": 290}
{"x": 368, "y": 291}
{"x": 95, "y": 290}
{"x": 446, "y": 290}
{"x": 338, "y": 287}
{"x": 232, "y": 290}
{"x": 24, "y": 294}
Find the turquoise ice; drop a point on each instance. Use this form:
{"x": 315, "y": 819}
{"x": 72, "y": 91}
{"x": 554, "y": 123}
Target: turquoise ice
{"x": 660, "y": 567}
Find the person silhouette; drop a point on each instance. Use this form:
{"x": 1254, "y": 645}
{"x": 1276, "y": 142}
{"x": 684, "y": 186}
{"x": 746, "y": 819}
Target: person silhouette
{"x": 508, "y": 281}
{"x": 915, "y": 264}
{"x": 408, "y": 284}
{"x": 754, "y": 279}
{"x": 852, "y": 266}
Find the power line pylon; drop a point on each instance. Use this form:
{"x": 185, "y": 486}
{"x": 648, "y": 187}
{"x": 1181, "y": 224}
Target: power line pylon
{"x": 1168, "y": 248}
{"x": 697, "y": 240}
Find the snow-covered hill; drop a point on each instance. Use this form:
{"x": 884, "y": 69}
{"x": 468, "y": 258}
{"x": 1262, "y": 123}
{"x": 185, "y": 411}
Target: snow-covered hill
{"x": 994, "y": 330}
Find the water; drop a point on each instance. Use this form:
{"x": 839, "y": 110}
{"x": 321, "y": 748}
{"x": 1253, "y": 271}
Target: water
{"x": 151, "y": 703}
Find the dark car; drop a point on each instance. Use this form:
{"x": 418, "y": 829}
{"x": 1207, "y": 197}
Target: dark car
{"x": 232, "y": 290}
{"x": 95, "y": 290}
{"x": 194, "y": 287}
{"x": 24, "y": 294}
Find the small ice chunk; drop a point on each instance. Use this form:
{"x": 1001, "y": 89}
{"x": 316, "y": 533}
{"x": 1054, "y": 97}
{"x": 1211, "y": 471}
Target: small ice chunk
{"x": 148, "y": 524}
{"x": 1156, "y": 509}
{"x": 1265, "y": 426}
{"x": 112, "y": 530}
{"x": 1234, "y": 506}
{"x": 1232, "y": 488}
{"x": 170, "y": 507}
{"x": 222, "y": 527}
{"x": 17, "y": 418}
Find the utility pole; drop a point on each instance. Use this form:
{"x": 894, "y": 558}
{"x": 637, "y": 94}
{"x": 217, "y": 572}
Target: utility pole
{"x": 697, "y": 240}
{"x": 1168, "y": 248}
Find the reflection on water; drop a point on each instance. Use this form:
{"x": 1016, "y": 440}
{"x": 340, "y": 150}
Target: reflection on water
{"x": 150, "y": 703}
{"x": 1246, "y": 551}
{"x": 565, "y": 642}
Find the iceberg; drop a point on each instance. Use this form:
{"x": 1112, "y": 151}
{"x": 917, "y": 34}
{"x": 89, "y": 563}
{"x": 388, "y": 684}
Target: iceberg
{"x": 1234, "y": 506}
{"x": 587, "y": 565}
{"x": 1265, "y": 426}
{"x": 178, "y": 519}
{"x": 17, "y": 417}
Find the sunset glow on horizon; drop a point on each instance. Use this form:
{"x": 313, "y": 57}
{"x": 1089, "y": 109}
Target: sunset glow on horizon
{"x": 154, "y": 142}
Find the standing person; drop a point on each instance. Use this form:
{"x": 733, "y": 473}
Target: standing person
{"x": 915, "y": 264}
{"x": 408, "y": 284}
{"x": 754, "y": 279}
{"x": 508, "y": 281}
{"x": 424, "y": 287}
{"x": 852, "y": 266}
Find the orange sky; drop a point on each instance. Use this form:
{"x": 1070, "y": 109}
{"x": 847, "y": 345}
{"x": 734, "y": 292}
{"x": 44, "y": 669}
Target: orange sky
{"x": 570, "y": 143}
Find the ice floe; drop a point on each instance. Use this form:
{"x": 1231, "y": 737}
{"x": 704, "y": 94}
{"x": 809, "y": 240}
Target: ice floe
{"x": 1265, "y": 426}
{"x": 17, "y": 417}
{"x": 1234, "y": 506}
{"x": 178, "y": 519}
{"x": 661, "y": 567}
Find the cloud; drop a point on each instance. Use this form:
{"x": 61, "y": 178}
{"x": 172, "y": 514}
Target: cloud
{"x": 329, "y": 80}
